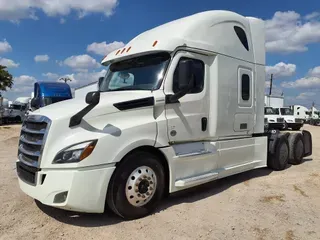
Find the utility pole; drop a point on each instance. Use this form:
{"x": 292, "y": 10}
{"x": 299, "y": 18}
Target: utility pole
{"x": 271, "y": 79}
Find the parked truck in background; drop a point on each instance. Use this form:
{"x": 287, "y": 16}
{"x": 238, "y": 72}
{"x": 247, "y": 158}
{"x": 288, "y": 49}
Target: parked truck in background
{"x": 273, "y": 118}
{"x": 313, "y": 116}
{"x": 18, "y": 109}
{"x": 289, "y": 119}
{"x": 181, "y": 105}
{"x": 46, "y": 93}
{"x": 300, "y": 112}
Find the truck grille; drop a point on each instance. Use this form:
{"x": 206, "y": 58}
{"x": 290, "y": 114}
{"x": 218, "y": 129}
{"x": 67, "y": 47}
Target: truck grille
{"x": 280, "y": 120}
{"x": 32, "y": 138}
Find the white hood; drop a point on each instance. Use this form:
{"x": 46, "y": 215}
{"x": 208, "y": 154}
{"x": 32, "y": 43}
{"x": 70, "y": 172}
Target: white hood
{"x": 68, "y": 108}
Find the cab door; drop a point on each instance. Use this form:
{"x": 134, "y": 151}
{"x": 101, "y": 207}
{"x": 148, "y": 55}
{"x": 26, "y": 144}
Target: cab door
{"x": 187, "y": 119}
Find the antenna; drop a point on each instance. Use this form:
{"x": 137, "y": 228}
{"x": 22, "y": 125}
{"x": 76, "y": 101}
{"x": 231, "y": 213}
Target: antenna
{"x": 271, "y": 79}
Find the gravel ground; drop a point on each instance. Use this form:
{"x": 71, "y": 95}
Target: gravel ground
{"x": 259, "y": 204}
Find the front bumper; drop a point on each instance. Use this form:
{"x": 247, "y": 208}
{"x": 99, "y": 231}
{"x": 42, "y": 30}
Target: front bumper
{"x": 277, "y": 126}
{"x": 86, "y": 188}
{"x": 295, "y": 125}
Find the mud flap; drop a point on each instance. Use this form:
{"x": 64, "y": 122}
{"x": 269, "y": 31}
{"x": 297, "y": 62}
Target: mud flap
{"x": 307, "y": 139}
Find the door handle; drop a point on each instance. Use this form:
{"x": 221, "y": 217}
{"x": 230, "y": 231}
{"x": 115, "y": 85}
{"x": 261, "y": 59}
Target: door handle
{"x": 204, "y": 123}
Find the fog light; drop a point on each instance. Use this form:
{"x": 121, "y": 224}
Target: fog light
{"x": 60, "y": 197}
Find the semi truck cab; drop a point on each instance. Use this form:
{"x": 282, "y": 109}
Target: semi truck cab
{"x": 181, "y": 105}
{"x": 289, "y": 118}
{"x": 273, "y": 119}
{"x": 46, "y": 93}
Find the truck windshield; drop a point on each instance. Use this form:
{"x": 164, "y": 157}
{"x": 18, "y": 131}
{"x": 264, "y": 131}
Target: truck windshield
{"x": 269, "y": 111}
{"x": 140, "y": 73}
{"x": 286, "y": 111}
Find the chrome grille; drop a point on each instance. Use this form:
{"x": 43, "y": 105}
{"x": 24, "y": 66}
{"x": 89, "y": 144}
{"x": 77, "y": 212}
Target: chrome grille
{"x": 280, "y": 119}
{"x": 32, "y": 138}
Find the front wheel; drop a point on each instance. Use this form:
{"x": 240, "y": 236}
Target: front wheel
{"x": 137, "y": 186}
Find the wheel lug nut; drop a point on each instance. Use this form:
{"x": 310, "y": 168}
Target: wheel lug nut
{"x": 149, "y": 178}
{"x": 151, "y": 182}
{"x": 139, "y": 195}
{"x": 143, "y": 196}
{"x": 150, "y": 188}
{"x": 148, "y": 193}
{"x": 136, "y": 190}
{"x": 145, "y": 176}
{"x": 140, "y": 179}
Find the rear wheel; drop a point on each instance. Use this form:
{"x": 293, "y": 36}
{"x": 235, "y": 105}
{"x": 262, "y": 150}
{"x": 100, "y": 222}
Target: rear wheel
{"x": 278, "y": 160}
{"x": 137, "y": 186}
{"x": 296, "y": 148}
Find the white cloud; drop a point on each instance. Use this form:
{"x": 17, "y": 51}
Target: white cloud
{"x": 41, "y": 58}
{"x": 5, "y": 46}
{"x": 82, "y": 78}
{"x": 312, "y": 15}
{"x": 288, "y": 32}
{"x": 23, "y": 85}
{"x": 314, "y": 72}
{"x": 50, "y": 75}
{"x": 15, "y": 10}
{"x": 80, "y": 63}
{"x": 281, "y": 70}
{"x": 306, "y": 82}
{"x": 104, "y": 48}
{"x": 8, "y": 63}
{"x": 305, "y": 95}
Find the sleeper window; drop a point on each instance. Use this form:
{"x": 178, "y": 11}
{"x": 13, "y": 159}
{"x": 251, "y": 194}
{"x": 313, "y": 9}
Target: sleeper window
{"x": 245, "y": 87}
{"x": 198, "y": 73}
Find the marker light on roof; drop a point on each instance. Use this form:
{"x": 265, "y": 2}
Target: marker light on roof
{"x": 118, "y": 51}
{"x": 155, "y": 43}
{"x": 128, "y": 49}
{"x": 123, "y": 50}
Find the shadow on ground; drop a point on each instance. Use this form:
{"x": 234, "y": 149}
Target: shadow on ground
{"x": 187, "y": 196}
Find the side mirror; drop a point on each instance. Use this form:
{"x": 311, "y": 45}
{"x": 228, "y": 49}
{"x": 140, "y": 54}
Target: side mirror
{"x": 34, "y": 103}
{"x": 93, "y": 98}
{"x": 183, "y": 80}
{"x": 100, "y": 81}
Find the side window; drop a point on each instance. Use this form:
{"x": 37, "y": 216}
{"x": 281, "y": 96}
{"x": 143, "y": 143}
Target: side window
{"x": 245, "y": 87}
{"x": 242, "y": 36}
{"x": 198, "y": 73}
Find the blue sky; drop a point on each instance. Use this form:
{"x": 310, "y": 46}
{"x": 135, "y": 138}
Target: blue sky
{"x": 70, "y": 38}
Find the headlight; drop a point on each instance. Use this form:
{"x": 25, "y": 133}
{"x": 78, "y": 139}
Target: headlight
{"x": 75, "y": 153}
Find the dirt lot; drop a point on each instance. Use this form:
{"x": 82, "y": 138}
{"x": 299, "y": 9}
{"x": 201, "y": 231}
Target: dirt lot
{"x": 259, "y": 204}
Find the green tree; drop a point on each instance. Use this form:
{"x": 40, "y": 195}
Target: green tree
{"x": 6, "y": 80}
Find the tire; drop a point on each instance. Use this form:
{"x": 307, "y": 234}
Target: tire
{"x": 296, "y": 148}
{"x": 278, "y": 160}
{"x": 126, "y": 195}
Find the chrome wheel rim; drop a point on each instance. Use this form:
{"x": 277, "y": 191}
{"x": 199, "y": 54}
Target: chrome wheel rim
{"x": 141, "y": 186}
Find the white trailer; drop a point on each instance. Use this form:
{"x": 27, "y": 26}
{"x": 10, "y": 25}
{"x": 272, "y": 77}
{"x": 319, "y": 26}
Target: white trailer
{"x": 181, "y": 105}
{"x": 274, "y": 101}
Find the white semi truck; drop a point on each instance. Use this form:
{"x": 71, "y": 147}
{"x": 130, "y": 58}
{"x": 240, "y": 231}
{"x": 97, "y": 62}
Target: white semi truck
{"x": 181, "y": 105}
